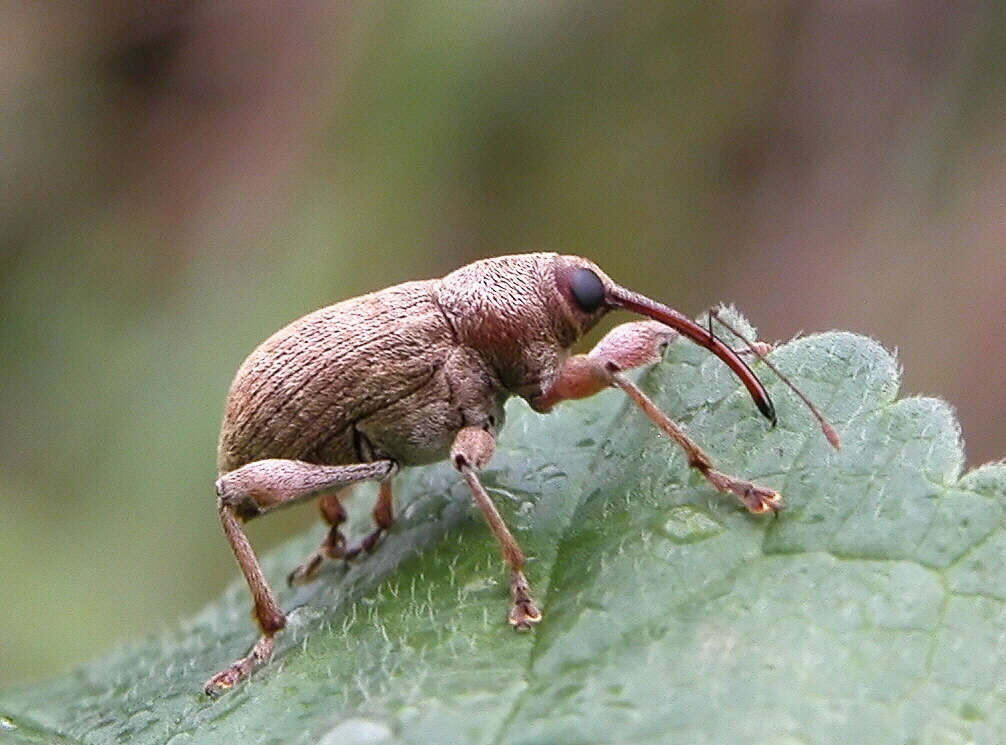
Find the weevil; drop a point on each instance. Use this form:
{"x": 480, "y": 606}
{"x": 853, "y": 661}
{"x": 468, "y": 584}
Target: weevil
{"x": 418, "y": 373}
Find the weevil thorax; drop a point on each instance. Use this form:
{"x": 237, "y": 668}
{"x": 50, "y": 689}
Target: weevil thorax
{"x": 520, "y": 313}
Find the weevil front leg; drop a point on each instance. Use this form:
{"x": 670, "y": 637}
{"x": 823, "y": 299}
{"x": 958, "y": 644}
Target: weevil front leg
{"x": 253, "y": 490}
{"x": 471, "y": 451}
{"x": 624, "y": 348}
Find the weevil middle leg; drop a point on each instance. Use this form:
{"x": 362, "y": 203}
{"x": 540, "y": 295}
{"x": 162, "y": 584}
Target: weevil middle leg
{"x": 471, "y": 451}
{"x": 333, "y": 546}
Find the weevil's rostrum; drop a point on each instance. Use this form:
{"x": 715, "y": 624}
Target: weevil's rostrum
{"x": 417, "y": 373}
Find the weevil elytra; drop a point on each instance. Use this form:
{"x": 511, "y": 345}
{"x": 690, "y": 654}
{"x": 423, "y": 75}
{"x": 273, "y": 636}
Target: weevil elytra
{"x": 417, "y": 373}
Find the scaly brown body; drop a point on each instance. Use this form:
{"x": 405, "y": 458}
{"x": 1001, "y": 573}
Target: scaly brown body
{"x": 417, "y": 373}
{"x": 375, "y": 377}
{"x": 397, "y": 373}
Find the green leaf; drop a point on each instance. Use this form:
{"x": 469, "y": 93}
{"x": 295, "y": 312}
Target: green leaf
{"x": 871, "y": 610}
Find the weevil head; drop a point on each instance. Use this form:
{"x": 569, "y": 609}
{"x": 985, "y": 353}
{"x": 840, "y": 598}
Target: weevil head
{"x": 524, "y": 312}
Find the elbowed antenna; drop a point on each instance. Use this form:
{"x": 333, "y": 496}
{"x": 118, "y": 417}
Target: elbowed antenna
{"x": 619, "y": 297}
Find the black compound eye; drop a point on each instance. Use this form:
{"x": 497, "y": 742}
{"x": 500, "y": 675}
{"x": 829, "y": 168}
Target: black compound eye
{"x": 587, "y": 289}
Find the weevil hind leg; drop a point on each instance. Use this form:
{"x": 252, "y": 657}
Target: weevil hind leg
{"x": 253, "y": 490}
{"x": 266, "y": 610}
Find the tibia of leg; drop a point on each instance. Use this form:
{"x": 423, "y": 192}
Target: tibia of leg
{"x": 267, "y": 612}
{"x": 383, "y": 518}
{"x": 625, "y": 347}
{"x": 241, "y": 668}
{"x": 757, "y": 499}
{"x": 264, "y": 484}
{"x": 474, "y": 446}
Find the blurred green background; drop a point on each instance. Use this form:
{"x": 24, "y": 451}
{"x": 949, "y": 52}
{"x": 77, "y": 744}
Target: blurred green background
{"x": 180, "y": 179}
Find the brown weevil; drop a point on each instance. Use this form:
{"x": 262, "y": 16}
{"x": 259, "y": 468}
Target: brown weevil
{"x": 417, "y": 373}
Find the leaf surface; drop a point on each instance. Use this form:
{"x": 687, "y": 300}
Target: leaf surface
{"x": 871, "y": 610}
